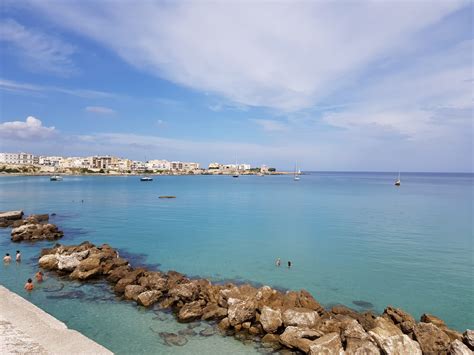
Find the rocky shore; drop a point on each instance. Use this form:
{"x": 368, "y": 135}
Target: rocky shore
{"x": 291, "y": 321}
{"x": 32, "y": 228}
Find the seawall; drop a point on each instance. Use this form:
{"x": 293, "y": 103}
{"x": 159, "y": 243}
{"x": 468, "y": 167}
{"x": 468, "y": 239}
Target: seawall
{"x": 25, "y": 328}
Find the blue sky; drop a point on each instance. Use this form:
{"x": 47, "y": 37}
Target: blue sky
{"x": 382, "y": 86}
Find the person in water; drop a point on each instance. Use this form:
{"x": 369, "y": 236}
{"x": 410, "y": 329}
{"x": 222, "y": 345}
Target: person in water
{"x": 278, "y": 262}
{"x": 289, "y": 264}
{"x": 29, "y": 285}
{"x": 39, "y": 276}
{"x": 7, "y": 258}
{"x": 18, "y": 256}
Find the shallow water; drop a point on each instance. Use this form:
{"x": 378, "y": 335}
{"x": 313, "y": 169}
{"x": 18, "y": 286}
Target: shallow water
{"x": 353, "y": 238}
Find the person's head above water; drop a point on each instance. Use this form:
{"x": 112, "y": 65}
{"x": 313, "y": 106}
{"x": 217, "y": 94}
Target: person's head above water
{"x": 30, "y": 281}
{"x": 7, "y": 254}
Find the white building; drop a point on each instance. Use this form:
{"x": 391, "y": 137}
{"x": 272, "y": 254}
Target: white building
{"x": 50, "y": 161}
{"x": 244, "y": 167}
{"x": 18, "y": 158}
{"x": 158, "y": 165}
{"x": 186, "y": 166}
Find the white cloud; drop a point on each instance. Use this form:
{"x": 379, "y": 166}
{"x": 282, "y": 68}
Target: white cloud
{"x": 36, "y": 50}
{"x": 100, "y": 110}
{"x": 31, "y": 128}
{"x": 33, "y": 89}
{"x": 271, "y": 125}
{"x": 287, "y": 56}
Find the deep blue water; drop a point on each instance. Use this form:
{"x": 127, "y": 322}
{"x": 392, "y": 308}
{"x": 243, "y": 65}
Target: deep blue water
{"x": 350, "y": 236}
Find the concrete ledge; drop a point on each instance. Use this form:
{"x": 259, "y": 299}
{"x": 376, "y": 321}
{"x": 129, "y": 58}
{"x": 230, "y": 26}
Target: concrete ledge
{"x": 28, "y": 327}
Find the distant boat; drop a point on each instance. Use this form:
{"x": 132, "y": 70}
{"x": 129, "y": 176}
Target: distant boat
{"x": 146, "y": 178}
{"x": 236, "y": 173}
{"x": 296, "y": 176}
{"x": 398, "y": 182}
{"x": 56, "y": 178}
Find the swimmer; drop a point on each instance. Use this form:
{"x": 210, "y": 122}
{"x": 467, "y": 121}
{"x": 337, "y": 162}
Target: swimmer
{"x": 29, "y": 285}
{"x": 278, "y": 262}
{"x": 39, "y": 276}
{"x": 7, "y": 258}
{"x": 18, "y": 256}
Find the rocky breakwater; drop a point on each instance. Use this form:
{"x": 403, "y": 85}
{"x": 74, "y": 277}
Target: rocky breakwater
{"x": 291, "y": 320}
{"x": 32, "y": 228}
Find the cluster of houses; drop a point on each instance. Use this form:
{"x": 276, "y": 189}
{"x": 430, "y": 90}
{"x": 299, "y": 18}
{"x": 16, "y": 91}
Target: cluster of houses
{"x": 111, "y": 164}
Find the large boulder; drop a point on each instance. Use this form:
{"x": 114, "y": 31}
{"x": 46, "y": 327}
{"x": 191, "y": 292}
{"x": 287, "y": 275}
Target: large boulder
{"x": 357, "y": 340}
{"x": 299, "y": 338}
{"x": 191, "y": 311}
{"x": 391, "y": 340}
{"x": 7, "y": 218}
{"x": 35, "y": 231}
{"x": 79, "y": 274}
{"x": 458, "y": 348}
{"x": 452, "y": 334}
{"x": 48, "y": 262}
{"x": 154, "y": 281}
{"x": 432, "y": 340}
{"x": 270, "y": 319}
{"x": 328, "y": 344}
{"x": 148, "y": 298}
{"x": 133, "y": 291}
{"x": 213, "y": 311}
{"x": 400, "y": 318}
{"x": 300, "y": 317}
{"x": 71, "y": 261}
{"x": 468, "y": 338}
{"x": 118, "y": 273}
{"x": 185, "y": 292}
{"x": 240, "y": 311}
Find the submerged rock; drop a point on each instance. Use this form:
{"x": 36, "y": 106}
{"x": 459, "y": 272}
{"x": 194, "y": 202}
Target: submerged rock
{"x": 172, "y": 339}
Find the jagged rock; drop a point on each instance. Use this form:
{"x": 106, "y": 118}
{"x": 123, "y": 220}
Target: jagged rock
{"x": 71, "y": 261}
{"x": 468, "y": 338}
{"x": 174, "y": 278}
{"x": 458, "y": 348}
{"x": 191, "y": 311}
{"x": 357, "y": 340}
{"x": 109, "y": 265}
{"x": 118, "y": 273}
{"x": 148, "y": 298}
{"x": 123, "y": 283}
{"x": 213, "y": 311}
{"x": 240, "y": 311}
{"x": 299, "y": 338}
{"x": 300, "y": 317}
{"x": 224, "y": 324}
{"x": 306, "y": 300}
{"x": 7, "y": 218}
{"x": 78, "y": 274}
{"x": 49, "y": 262}
{"x": 186, "y": 291}
{"x": 256, "y": 329}
{"x": 391, "y": 340}
{"x": 133, "y": 291}
{"x": 34, "y": 231}
{"x": 271, "y": 341}
{"x": 432, "y": 340}
{"x": 270, "y": 319}
{"x": 452, "y": 334}
{"x": 327, "y": 344}
{"x": 172, "y": 339}
{"x": 154, "y": 280}
{"x": 401, "y": 319}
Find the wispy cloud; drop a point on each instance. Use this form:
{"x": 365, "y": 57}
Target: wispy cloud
{"x": 31, "y": 128}
{"x": 33, "y": 89}
{"x": 38, "y": 51}
{"x": 100, "y": 110}
{"x": 279, "y": 55}
{"x": 271, "y": 125}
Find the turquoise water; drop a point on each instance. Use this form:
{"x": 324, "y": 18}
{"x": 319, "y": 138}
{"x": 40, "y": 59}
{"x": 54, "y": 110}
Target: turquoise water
{"x": 351, "y": 237}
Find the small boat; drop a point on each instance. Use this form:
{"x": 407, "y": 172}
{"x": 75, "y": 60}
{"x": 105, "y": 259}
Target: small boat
{"x": 296, "y": 176}
{"x": 146, "y": 178}
{"x": 56, "y": 178}
{"x": 236, "y": 175}
{"x": 397, "y": 182}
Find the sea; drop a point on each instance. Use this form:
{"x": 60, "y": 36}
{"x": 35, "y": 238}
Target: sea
{"x": 352, "y": 238}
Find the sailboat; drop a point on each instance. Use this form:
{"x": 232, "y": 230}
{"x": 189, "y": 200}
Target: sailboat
{"x": 236, "y": 173}
{"x": 296, "y": 176}
{"x": 397, "y": 182}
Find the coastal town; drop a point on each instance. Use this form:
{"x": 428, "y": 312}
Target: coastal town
{"x": 27, "y": 163}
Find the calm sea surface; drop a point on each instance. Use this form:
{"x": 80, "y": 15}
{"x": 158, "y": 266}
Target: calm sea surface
{"x": 352, "y": 237}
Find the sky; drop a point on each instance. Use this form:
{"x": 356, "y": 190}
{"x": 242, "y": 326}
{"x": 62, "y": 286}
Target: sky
{"x": 347, "y": 85}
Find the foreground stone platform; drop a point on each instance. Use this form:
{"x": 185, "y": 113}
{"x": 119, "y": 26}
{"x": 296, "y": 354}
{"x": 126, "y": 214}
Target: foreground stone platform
{"x": 26, "y": 329}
